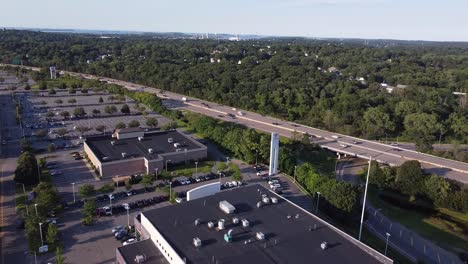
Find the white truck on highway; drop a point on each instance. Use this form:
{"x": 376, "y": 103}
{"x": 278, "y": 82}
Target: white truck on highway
{"x": 240, "y": 113}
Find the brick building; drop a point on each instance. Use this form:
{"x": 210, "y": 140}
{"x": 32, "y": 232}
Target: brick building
{"x": 132, "y": 150}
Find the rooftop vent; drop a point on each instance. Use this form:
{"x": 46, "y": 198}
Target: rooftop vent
{"x": 210, "y": 224}
{"x": 324, "y": 245}
{"x": 105, "y": 158}
{"x": 112, "y": 142}
{"x": 266, "y": 200}
{"x": 176, "y": 145}
{"x": 245, "y": 223}
{"x": 259, "y": 204}
{"x": 140, "y": 138}
{"x": 124, "y": 154}
{"x": 197, "y": 242}
{"x": 197, "y": 221}
{"x": 221, "y": 224}
{"x": 274, "y": 200}
{"x": 150, "y": 151}
{"x": 260, "y": 236}
{"x": 140, "y": 258}
{"x": 235, "y": 220}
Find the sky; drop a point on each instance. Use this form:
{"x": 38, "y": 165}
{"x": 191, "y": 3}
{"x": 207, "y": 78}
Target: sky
{"x": 439, "y": 20}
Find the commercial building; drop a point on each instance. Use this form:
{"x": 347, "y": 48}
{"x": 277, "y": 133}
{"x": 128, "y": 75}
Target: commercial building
{"x": 132, "y": 150}
{"x": 248, "y": 224}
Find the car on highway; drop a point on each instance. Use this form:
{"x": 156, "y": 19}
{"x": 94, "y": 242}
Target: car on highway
{"x": 335, "y": 136}
{"x": 343, "y": 145}
{"x": 394, "y": 144}
{"x": 276, "y": 124}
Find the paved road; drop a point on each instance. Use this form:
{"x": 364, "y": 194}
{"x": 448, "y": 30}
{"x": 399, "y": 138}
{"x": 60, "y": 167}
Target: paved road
{"x": 13, "y": 244}
{"x": 392, "y": 155}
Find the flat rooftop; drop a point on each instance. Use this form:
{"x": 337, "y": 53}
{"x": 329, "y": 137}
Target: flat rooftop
{"x": 145, "y": 247}
{"x": 293, "y": 239}
{"x": 156, "y": 140}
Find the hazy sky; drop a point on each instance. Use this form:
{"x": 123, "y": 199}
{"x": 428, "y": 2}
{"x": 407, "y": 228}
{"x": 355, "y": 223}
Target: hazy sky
{"x": 395, "y": 19}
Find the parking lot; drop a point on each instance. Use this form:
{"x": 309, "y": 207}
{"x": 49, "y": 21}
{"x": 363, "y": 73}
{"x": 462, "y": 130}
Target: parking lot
{"x": 37, "y": 107}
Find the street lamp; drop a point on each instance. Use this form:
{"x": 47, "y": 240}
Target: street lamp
{"x": 318, "y": 199}
{"x": 35, "y": 206}
{"x": 156, "y": 173}
{"x": 40, "y": 230}
{"x": 256, "y": 154}
{"x": 386, "y": 244}
{"x": 35, "y": 255}
{"x": 364, "y": 202}
{"x": 196, "y": 167}
{"x": 74, "y": 197}
{"x": 110, "y": 202}
{"x": 166, "y": 164}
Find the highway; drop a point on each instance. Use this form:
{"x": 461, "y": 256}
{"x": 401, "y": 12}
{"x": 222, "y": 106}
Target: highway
{"x": 343, "y": 144}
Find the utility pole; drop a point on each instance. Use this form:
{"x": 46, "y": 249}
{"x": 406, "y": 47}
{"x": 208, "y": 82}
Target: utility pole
{"x": 365, "y": 196}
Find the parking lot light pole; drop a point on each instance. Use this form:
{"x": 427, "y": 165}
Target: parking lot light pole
{"x": 74, "y": 197}
{"x": 40, "y": 230}
{"x": 386, "y": 244}
{"x": 110, "y": 203}
{"x": 365, "y": 196}
{"x": 166, "y": 164}
{"x": 318, "y": 199}
{"x": 196, "y": 167}
{"x": 35, "y": 206}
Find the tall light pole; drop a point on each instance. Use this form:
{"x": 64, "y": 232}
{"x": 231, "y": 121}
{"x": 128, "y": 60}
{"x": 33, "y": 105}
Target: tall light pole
{"x": 156, "y": 173}
{"x": 256, "y": 154}
{"x": 110, "y": 202}
{"x": 40, "y": 230}
{"x": 386, "y": 244}
{"x": 196, "y": 167}
{"x": 74, "y": 197}
{"x": 365, "y": 196}
{"x": 35, "y": 206}
{"x": 318, "y": 199}
{"x": 166, "y": 164}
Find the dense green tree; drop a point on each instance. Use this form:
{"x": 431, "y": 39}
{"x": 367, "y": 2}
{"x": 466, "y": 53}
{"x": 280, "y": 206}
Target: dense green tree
{"x": 134, "y": 123}
{"x": 125, "y": 109}
{"x": 377, "y": 123}
{"x": 52, "y": 234}
{"x": 47, "y": 198}
{"x": 436, "y": 189}
{"x": 86, "y": 190}
{"x": 151, "y": 121}
{"x": 27, "y": 169}
{"x": 410, "y": 177}
{"x": 120, "y": 125}
{"x": 79, "y": 112}
{"x": 422, "y": 128}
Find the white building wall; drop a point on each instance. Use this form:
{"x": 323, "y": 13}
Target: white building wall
{"x": 204, "y": 190}
{"x": 167, "y": 251}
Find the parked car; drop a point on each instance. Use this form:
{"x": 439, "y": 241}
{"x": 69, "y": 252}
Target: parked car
{"x": 126, "y": 206}
{"x": 117, "y": 229}
{"x": 131, "y": 192}
{"x": 107, "y": 210}
{"x": 129, "y": 241}
{"x": 120, "y": 234}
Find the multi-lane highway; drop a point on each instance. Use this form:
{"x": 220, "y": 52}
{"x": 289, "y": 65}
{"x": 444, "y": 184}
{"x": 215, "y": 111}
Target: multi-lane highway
{"x": 393, "y": 155}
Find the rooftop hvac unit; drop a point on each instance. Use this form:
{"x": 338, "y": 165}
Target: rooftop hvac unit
{"x": 274, "y": 200}
{"x": 124, "y": 154}
{"x": 235, "y": 220}
{"x": 140, "y": 138}
{"x": 259, "y": 204}
{"x": 324, "y": 245}
{"x": 140, "y": 258}
{"x": 197, "y": 242}
{"x": 112, "y": 142}
{"x": 105, "y": 158}
{"x": 245, "y": 223}
{"x": 176, "y": 145}
{"x": 210, "y": 224}
{"x": 260, "y": 236}
{"x": 197, "y": 221}
{"x": 221, "y": 224}
{"x": 150, "y": 151}
{"x": 266, "y": 200}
